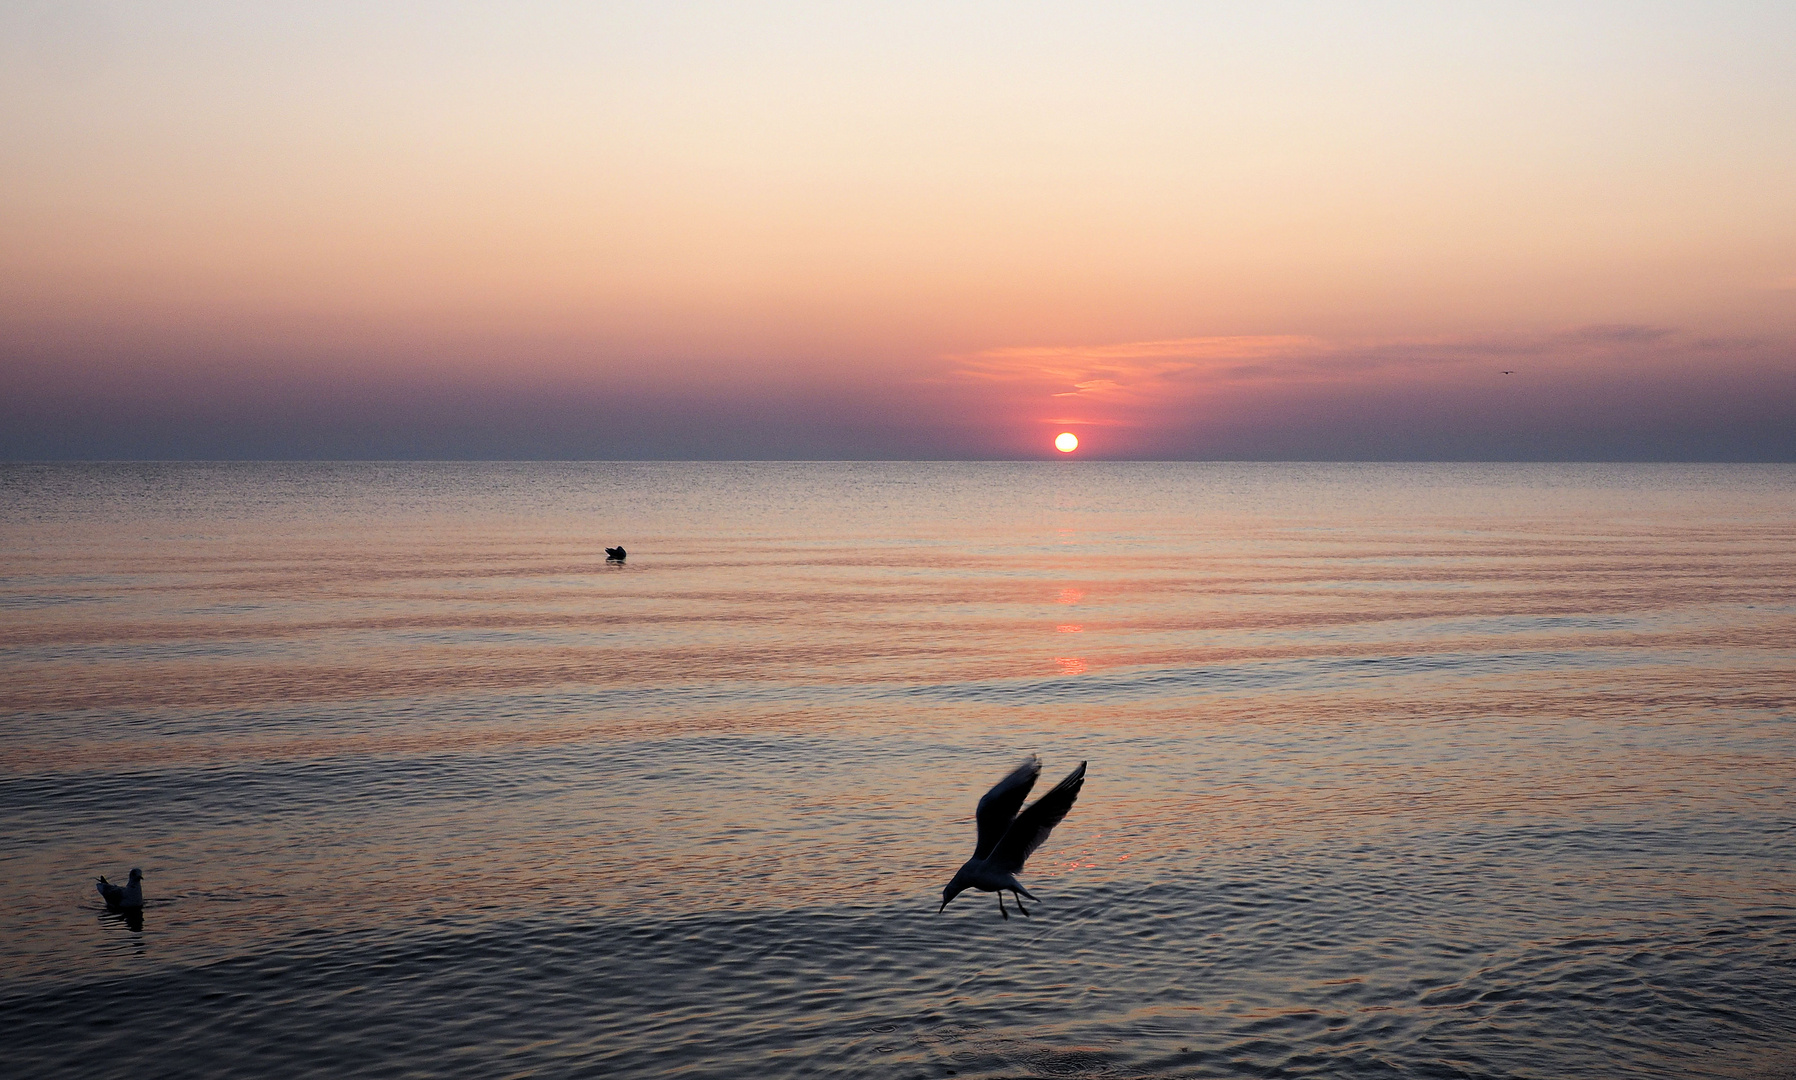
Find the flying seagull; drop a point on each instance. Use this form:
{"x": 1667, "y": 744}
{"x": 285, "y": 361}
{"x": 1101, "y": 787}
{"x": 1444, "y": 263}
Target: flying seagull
{"x": 615, "y": 554}
{"x": 128, "y": 896}
{"x": 1006, "y": 838}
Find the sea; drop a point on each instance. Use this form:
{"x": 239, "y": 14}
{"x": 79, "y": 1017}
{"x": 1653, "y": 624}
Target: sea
{"x": 1394, "y": 770}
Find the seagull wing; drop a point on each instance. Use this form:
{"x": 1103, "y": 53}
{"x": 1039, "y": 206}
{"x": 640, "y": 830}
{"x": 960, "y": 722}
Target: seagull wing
{"x": 109, "y": 892}
{"x": 1000, "y": 805}
{"x": 1033, "y": 825}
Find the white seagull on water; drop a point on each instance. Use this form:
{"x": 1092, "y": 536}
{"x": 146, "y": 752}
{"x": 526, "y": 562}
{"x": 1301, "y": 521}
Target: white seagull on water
{"x": 1006, "y": 837}
{"x": 130, "y": 895}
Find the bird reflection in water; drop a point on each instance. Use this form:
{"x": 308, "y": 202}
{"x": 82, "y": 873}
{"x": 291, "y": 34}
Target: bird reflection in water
{"x": 1007, "y": 838}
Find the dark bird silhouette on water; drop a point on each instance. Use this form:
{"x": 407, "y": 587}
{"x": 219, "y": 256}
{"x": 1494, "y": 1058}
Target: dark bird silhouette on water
{"x": 126, "y": 896}
{"x": 615, "y": 554}
{"x": 1511, "y": 371}
{"x": 1006, "y": 838}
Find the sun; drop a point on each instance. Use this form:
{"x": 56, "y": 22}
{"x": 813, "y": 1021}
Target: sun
{"x": 1066, "y": 442}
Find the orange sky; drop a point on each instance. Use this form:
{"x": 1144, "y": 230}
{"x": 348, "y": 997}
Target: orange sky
{"x": 966, "y": 222}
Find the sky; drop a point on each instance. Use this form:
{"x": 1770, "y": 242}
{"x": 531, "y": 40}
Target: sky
{"x": 1280, "y": 231}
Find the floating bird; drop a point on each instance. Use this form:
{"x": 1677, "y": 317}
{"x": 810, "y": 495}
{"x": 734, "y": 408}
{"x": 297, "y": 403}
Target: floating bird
{"x": 128, "y": 896}
{"x": 615, "y": 554}
{"x": 1511, "y": 371}
{"x": 1006, "y": 838}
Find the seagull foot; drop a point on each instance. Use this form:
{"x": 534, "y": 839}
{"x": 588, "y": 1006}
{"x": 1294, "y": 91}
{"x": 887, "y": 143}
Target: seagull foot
{"x": 1020, "y": 907}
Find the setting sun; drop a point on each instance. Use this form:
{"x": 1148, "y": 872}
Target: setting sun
{"x": 1066, "y": 442}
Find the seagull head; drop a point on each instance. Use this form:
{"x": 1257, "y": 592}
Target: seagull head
{"x": 951, "y": 890}
{"x": 136, "y": 873}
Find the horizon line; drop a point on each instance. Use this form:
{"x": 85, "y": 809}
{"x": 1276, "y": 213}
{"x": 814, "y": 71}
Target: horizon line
{"x": 895, "y": 461}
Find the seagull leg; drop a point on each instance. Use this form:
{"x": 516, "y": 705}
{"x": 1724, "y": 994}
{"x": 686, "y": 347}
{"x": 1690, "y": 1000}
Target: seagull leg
{"x": 1001, "y": 909}
{"x": 1018, "y": 897}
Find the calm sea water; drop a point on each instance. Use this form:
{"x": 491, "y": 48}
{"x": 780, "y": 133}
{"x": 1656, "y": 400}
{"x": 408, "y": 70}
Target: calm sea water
{"x": 1396, "y": 770}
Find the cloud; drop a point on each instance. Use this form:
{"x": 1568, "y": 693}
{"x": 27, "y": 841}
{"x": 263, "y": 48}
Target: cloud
{"x": 1614, "y": 334}
{"x": 1099, "y": 384}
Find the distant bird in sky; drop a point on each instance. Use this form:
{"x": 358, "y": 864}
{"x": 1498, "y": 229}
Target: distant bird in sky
{"x": 615, "y": 554}
{"x": 1006, "y": 838}
{"x": 130, "y": 895}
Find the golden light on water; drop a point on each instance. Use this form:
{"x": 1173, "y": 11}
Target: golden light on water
{"x": 1066, "y": 442}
